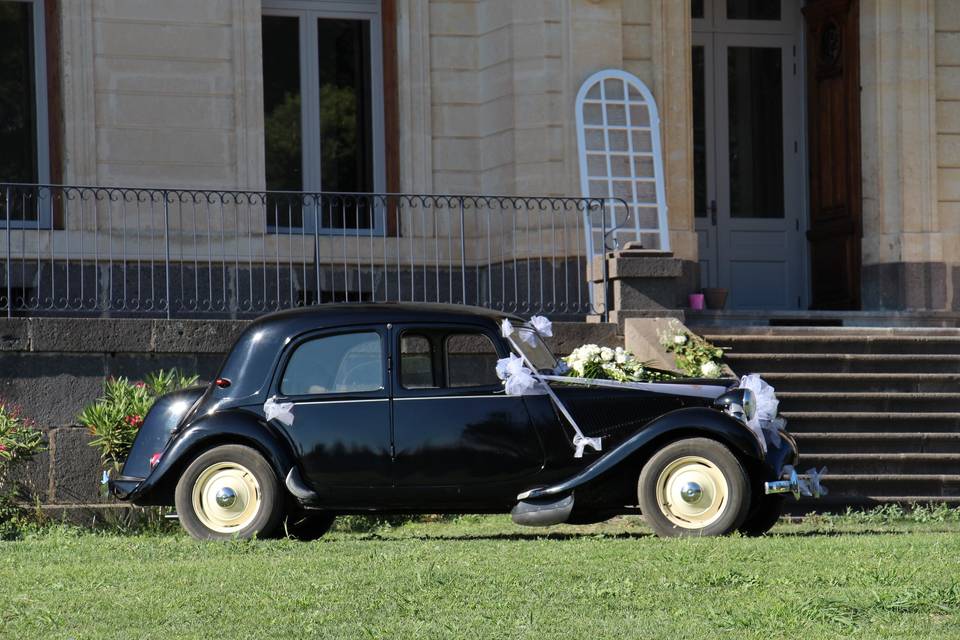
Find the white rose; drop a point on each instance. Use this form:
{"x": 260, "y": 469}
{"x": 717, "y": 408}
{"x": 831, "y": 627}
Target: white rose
{"x": 710, "y": 370}
{"x": 606, "y": 354}
{"x": 679, "y": 339}
{"x": 621, "y": 358}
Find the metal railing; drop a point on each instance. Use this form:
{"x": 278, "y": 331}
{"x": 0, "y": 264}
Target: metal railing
{"x": 195, "y": 253}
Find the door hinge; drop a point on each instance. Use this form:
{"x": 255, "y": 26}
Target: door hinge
{"x": 797, "y": 223}
{"x": 798, "y": 302}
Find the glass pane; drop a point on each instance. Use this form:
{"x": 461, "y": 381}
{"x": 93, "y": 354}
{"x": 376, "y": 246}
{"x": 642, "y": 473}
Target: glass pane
{"x": 346, "y": 122}
{"x": 696, "y": 9}
{"x": 471, "y": 361}
{"x": 416, "y": 362}
{"x": 281, "y": 117}
{"x": 347, "y": 363}
{"x": 753, "y": 9}
{"x": 755, "y": 105}
{"x": 699, "y": 133}
{"x": 18, "y": 115}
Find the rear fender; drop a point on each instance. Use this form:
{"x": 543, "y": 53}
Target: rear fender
{"x": 690, "y": 422}
{"x": 227, "y": 427}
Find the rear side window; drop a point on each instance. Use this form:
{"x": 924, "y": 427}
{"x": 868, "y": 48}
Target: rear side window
{"x": 343, "y": 363}
{"x": 416, "y": 362}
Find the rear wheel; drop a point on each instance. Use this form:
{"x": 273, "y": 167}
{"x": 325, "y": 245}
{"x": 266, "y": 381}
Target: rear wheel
{"x": 228, "y": 492}
{"x": 308, "y": 525}
{"x": 694, "y": 487}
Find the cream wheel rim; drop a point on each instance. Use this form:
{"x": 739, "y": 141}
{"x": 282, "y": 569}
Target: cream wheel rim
{"x": 692, "y": 492}
{"x": 226, "y": 497}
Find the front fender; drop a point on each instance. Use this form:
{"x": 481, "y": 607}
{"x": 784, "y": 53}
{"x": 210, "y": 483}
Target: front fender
{"x": 692, "y": 421}
{"x": 234, "y": 426}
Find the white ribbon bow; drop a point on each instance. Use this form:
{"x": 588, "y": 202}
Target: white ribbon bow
{"x": 506, "y": 329}
{"x": 581, "y": 441}
{"x": 282, "y": 411}
{"x": 765, "y": 416}
{"x": 518, "y": 379}
{"x": 542, "y": 326}
{"x": 808, "y": 483}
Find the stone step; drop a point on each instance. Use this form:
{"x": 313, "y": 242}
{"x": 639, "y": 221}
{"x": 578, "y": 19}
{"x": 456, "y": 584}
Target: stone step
{"x": 842, "y": 344}
{"x": 815, "y": 443}
{"x": 935, "y": 485}
{"x": 839, "y": 504}
{"x": 865, "y": 382}
{"x": 765, "y": 363}
{"x": 874, "y": 421}
{"x": 882, "y": 463}
{"x": 841, "y": 402}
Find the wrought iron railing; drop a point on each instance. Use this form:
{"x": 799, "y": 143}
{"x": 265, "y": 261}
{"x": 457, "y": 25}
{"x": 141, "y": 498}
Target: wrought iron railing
{"x": 190, "y": 253}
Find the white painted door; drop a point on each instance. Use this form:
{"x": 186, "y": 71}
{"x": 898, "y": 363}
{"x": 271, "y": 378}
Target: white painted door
{"x": 748, "y": 176}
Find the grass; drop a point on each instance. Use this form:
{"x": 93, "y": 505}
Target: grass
{"x": 878, "y": 575}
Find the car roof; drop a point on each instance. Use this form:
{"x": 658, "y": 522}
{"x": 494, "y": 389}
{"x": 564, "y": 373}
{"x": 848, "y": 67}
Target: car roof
{"x": 332, "y": 314}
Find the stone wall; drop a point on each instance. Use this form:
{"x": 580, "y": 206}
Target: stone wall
{"x": 52, "y": 367}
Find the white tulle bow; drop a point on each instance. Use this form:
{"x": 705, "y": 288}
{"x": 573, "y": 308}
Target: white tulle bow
{"x": 765, "y": 417}
{"x": 282, "y": 411}
{"x": 518, "y": 379}
{"x": 542, "y": 326}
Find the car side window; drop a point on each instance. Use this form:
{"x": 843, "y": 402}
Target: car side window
{"x": 343, "y": 363}
{"x": 471, "y": 360}
{"x": 416, "y": 362}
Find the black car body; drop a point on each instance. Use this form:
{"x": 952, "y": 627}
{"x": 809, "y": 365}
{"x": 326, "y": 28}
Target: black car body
{"x": 411, "y": 418}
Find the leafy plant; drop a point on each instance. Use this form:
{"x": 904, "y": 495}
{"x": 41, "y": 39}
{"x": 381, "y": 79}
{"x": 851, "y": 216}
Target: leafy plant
{"x": 20, "y": 440}
{"x": 591, "y": 361}
{"x": 115, "y": 418}
{"x": 694, "y": 355}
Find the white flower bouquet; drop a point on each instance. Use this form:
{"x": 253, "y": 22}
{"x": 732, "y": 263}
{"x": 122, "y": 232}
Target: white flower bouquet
{"x": 695, "y": 356}
{"x": 592, "y": 361}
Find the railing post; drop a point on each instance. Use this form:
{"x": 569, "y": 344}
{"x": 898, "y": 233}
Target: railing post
{"x": 463, "y": 255}
{"x": 9, "y": 270}
{"x": 316, "y": 246}
{"x": 605, "y": 316}
{"x": 166, "y": 249}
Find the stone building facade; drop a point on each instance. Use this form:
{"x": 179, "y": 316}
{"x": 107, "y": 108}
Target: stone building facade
{"x": 477, "y": 97}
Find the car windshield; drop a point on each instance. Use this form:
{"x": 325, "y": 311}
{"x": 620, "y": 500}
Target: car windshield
{"x": 533, "y": 347}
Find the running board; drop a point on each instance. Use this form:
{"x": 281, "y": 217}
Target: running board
{"x": 542, "y": 512}
{"x": 298, "y": 486}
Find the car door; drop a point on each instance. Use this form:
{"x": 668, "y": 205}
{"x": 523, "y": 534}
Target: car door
{"x": 459, "y": 440}
{"x": 339, "y": 388}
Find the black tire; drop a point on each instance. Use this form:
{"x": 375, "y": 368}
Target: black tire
{"x": 731, "y": 511}
{"x": 308, "y": 525}
{"x": 266, "y": 517}
{"x": 764, "y": 515}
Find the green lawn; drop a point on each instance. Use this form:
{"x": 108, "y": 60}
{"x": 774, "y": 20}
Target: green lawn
{"x": 482, "y": 577}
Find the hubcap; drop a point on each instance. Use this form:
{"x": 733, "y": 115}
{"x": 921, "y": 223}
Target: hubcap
{"x": 692, "y": 492}
{"x": 226, "y": 497}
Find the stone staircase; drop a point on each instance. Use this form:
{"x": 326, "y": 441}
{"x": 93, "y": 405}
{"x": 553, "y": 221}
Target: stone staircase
{"x": 879, "y": 407}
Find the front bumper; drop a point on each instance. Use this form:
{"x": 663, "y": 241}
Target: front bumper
{"x": 807, "y": 484}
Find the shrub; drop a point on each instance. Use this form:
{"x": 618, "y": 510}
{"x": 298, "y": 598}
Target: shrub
{"x": 20, "y": 440}
{"x": 114, "y": 419}
{"x": 695, "y": 356}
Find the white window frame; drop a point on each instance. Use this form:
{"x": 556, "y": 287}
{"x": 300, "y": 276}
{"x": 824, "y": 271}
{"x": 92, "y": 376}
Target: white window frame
{"x": 308, "y": 12}
{"x": 715, "y": 19}
{"x": 42, "y": 132}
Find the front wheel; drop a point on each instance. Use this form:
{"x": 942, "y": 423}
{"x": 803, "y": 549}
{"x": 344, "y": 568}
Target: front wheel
{"x": 694, "y": 487}
{"x": 229, "y": 492}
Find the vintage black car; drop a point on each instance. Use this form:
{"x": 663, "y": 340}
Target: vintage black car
{"x": 397, "y": 408}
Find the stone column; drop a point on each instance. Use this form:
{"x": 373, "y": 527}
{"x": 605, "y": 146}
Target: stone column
{"x": 903, "y": 262}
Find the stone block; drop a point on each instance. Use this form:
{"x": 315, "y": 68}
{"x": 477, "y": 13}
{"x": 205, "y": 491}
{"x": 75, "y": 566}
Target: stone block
{"x": 645, "y": 267}
{"x": 97, "y": 335}
{"x": 136, "y": 366}
{"x": 567, "y": 336}
{"x": 643, "y": 293}
{"x": 195, "y": 336}
{"x": 51, "y": 388}
{"x": 75, "y": 467}
{"x": 642, "y": 337}
{"x": 31, "y": 479}
{"x": 14, "y": 334}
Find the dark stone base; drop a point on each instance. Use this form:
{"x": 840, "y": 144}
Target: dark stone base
{"x": 899, "y": 286}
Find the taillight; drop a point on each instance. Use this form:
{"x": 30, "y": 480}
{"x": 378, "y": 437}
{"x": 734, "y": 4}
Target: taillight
{"x": 155, "y": 460}
{"x": 223, "y": 383}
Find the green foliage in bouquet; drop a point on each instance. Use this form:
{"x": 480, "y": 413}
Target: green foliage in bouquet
{"x": 114, "y": 419}
{"x": 592, "y": 361}
{"x": 694, "y": 355}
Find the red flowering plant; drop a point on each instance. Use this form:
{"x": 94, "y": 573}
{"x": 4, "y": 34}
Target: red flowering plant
{"x": 115, "y": 418}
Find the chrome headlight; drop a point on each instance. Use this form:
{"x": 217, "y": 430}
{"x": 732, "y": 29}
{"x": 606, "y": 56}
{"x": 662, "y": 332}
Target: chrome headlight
{"x": 739, "y": 403}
